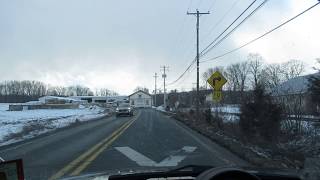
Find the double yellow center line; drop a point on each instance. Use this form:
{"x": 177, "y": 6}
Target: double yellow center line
{"x": 76, "y": 166}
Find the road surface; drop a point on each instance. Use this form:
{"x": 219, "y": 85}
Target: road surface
{"x": 147, "y": 140}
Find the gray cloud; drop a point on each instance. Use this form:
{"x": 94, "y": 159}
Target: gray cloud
{"x": 115, "y": 44}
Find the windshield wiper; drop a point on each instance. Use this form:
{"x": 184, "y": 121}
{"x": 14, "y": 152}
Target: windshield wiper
{"x": 189, "y": 170}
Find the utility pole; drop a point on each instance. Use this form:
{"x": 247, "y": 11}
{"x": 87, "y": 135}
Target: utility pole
{"x": 198, "y": 98}
{"x": 155, "y": 89}
{"x": 164, "y": 75}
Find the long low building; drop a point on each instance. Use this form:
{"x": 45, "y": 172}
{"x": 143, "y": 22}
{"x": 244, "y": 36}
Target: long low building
{"x": 102, "y": 99}
{"x": 58, "y": 100}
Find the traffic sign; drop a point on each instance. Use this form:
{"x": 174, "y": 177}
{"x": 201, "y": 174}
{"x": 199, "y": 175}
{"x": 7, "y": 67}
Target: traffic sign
{"x": 217, "y": 96}
{"x": 217, "y": 80}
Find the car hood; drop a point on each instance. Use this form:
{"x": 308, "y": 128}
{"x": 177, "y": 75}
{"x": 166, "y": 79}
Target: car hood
{"x": 107, "y": 174}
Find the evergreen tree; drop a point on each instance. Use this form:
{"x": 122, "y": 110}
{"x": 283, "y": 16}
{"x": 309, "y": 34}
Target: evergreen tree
{"x": 260, "y": 117}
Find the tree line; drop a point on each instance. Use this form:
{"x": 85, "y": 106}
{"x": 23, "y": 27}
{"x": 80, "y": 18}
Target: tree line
{"x": 254, "y": 71}
{"x": 35, "y": 89}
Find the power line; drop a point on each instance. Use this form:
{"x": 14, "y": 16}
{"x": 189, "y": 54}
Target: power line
{"x": 261, "y": 36}
{"x": 223, "y": 38}
{"x": 185, "y": 77}
{"x": 190, "y": 2}
{"x": 192, "y": 63}
{"x": 222, "y": 18}
{"x": 198, "y": 6}
{"x": 227, "y": 27}
{"x": 209, "y": 9}
{"x": 179, "y": 39}
{"x": 210, "y": 44}
{"x": 212, "y": 4}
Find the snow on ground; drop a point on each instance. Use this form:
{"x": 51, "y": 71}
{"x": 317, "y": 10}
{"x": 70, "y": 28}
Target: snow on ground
{"x": 228, "y": 112}
{"x": 228, "y": 108}
{"x": 50, "y": 119}
{"x": 230, "y": 118}
{"x": 160, "y": 108}
{"x": 4, "y": 106}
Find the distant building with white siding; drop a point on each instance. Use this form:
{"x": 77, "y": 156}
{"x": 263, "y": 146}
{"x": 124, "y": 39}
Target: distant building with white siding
{"x": 140, "y": 99}
{"x": 56, "y": 100}
{"x": 102, "y": 99}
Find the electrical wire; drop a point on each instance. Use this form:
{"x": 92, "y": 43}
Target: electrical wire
{"x": 183, "y": 73}
{"x": 211, "y": 44}
{"x": 212, "y": 4}
{"x": 198, "y": 6}
{"x": 190, "y": 2}
{"x": 237, "y": 26}
{"x": 208, "y": 46}
{"x": 186, "y": 76}
{"x": 179, "y": 39}
{"x": 220, "y": 20}
{"x": 180, "y": 30}
{"x": 261, "y": 36}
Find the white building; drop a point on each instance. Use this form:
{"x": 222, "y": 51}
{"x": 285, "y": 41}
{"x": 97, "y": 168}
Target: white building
{"x": 140, "y": 99}
{"x": 102, "y": 99}
{"x": 55, "y": 100}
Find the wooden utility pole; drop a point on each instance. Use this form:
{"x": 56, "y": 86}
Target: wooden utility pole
{"x": 197, "y": 14}
{"x": 164, "y": 76}
{"x": 155, "y": 89}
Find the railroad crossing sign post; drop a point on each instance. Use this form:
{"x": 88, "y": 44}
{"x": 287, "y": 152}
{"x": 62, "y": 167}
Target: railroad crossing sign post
{"x": 216, "y": 81}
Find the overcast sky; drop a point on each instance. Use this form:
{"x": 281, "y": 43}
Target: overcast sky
{"x": 121, "y": 44}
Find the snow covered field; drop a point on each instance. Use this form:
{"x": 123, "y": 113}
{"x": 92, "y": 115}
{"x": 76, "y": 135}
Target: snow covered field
{"x": 45, "y": 119}
{"x": 229, "y": 113}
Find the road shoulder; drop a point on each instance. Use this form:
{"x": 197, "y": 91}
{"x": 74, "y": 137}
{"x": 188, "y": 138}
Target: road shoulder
{"x": 209, "y": 144}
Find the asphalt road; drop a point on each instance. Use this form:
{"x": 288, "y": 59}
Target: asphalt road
{"x": 147, "y": 140}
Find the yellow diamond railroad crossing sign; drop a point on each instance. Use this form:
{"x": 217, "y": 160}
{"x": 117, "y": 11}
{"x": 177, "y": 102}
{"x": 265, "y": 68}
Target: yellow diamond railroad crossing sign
{"x": 217, "y": 80}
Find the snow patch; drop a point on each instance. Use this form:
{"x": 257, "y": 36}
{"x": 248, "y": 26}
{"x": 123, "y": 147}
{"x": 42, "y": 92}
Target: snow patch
{"x": 14, "y": 121}
{"x": 230, "y": 108}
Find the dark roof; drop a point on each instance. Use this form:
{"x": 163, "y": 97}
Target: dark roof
{"x": 295, "y": 85}
{"x": 140, "y": 91}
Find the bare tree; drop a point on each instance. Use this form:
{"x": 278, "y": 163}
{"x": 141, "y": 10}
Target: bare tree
{"x": 139, "y": 88}
{"x": 242, "y": 71}
{"x": 255, "y": 67}
{"x": 293, "y": 68}
{"x": 315, "y": 67}
{"x": 79, "y": 90}
{"x": 274, "y": 75}
{"x": 232, "y": 76}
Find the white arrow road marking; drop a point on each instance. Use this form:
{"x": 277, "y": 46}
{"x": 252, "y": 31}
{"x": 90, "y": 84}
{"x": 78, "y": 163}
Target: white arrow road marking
{"x": 135, "y": 156}
{"x": 142, "y": 160}
{"x": 189, "y": 149}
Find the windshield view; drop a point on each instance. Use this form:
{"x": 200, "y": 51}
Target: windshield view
{"x": 185, "y": 89}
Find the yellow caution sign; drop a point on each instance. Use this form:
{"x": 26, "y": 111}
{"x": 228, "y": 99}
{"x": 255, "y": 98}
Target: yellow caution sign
{"x": 217, "y": 80}
{"x": 217, "y": 96}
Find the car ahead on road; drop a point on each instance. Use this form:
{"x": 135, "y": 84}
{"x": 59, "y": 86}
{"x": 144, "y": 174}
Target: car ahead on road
{"x": 124, "y": 109}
